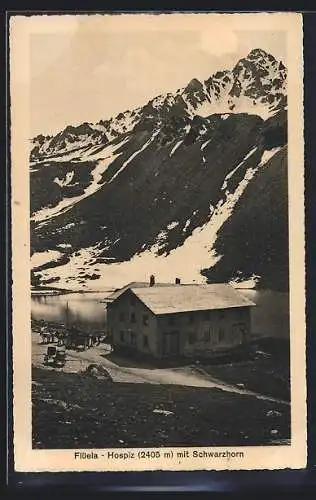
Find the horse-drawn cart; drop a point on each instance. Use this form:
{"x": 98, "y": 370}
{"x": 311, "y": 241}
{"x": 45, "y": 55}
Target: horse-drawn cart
{"x": 81, "y": 340}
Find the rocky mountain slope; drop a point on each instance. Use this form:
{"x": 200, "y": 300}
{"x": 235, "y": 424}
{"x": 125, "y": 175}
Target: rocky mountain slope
{"x": 193, "y": 184}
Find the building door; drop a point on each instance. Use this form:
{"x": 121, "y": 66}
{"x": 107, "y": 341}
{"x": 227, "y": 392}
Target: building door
{"x": 170, "y": 345}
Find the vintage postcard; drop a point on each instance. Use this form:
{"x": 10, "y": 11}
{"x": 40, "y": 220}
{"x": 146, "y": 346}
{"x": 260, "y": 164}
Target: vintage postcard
{"x": 157, "y": 170}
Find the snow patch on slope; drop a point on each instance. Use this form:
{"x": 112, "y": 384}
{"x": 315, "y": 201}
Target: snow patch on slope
{"x": 64, "y": 245}
{"x": 69, "y": 274}
{"x": 198, "y": 250}
{"x": 67, "y": 203}
{"x": 178, "y": 144}
{"x": 225, "y": 107}
{"x": 40, "y": 258}
{"x": 172, "y": 225}
{"x": 133, "y": 156}
{"x": 268, "y": 154}
{"x": 77, "y": 154}
{"x": 188, "y": 222}
{"x": 66, "y": 181}
{"x": 228, "y": 176}
{"x": 205, "y": 144}
{"x": 246, "y": 284}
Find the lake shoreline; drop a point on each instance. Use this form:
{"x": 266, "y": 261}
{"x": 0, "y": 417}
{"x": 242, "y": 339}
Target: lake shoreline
{"x": 270, "y": 316}
{"x": 57, "y": 291}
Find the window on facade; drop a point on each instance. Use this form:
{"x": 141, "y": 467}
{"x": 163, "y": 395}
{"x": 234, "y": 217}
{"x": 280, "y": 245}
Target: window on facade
{"x": 191, "y": 318}
{"x": 133, "y": 317}
{"x": 122, "y": 316}
{"x": 221, "y": 335}
{"x": 122, "y": 337}
{"x": 206, "y": 315}
{"x": 145, "y": 319}
{"x": 171, "y": 320}
{"x": 207, "y": 336}
{"x": 133, "y": 338}
{"x": 192, "y": 338}
{"x": 145, "y": 341}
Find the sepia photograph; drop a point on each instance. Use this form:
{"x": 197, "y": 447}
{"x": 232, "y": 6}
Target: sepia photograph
{"x": 158, "y": 241}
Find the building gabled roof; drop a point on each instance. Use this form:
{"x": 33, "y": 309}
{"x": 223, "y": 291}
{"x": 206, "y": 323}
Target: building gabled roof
{"x": 188, "y": 298}
{"x": 134, "y": 284}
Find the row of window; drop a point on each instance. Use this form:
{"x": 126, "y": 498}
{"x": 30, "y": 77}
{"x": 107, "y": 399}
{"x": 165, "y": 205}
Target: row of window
{"x": 207, "y": 336}
{"x": 206, "y": 315}
{"x": 132, "y": 318}
{"x": 130, "y": 337}
{"x": 175, "y": 319}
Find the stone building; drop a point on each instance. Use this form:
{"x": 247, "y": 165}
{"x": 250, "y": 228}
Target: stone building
{"x": 167, "y": 320}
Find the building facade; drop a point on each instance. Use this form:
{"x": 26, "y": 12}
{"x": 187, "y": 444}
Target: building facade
{"x": 181, "y": 320}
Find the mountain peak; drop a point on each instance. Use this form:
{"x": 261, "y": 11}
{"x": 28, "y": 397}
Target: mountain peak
{"x": 194, "y": 84}
{"x": 256, "y": 85}
{"x": 260, "y": 54}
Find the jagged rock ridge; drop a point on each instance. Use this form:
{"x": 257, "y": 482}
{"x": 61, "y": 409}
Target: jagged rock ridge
{"x": 180, "y": 174}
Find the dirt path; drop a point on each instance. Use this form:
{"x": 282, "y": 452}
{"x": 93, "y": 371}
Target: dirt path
{"x": 185, "y": 376}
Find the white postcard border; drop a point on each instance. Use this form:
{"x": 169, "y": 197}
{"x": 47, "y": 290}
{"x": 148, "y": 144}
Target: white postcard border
{"x": 255, "y": 458}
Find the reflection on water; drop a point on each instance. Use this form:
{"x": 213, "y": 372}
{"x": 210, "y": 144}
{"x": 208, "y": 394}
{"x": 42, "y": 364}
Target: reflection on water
{"x": 76, "y": 308}
{"x": 270, "y": 317}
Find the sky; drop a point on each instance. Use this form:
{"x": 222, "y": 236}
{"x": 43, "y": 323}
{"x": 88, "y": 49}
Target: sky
{"x": 87, "y": 68}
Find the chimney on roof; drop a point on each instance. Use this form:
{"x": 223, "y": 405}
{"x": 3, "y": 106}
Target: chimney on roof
{"x": 177, "y": 281}
{"x": 152, "y": 280}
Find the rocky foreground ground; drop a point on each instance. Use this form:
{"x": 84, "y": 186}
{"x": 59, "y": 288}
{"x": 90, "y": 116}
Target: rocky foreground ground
{"x": 78, "y": 411}
{"x": 147, "y": 407}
